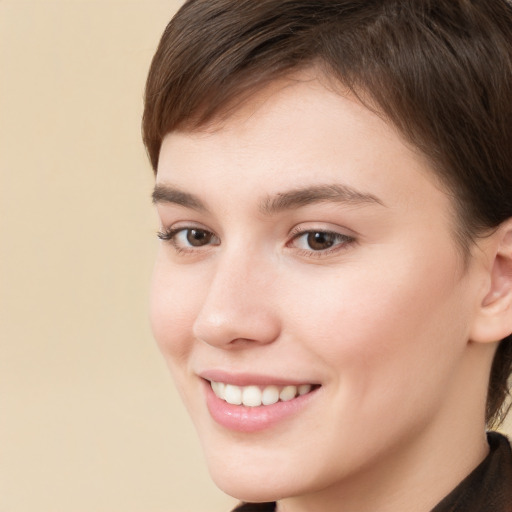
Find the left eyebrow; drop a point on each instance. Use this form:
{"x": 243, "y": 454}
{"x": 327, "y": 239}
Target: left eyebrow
{"x": 300, "y": 197}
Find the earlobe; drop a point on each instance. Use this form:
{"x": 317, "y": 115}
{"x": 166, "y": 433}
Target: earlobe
{"x": 494, "y": 319}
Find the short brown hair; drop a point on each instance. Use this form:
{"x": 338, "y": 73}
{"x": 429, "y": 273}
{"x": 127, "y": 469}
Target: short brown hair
{"x": 439, "y": 70}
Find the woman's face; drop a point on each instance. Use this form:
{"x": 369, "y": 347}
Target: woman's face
{"x": 307, "y": 249}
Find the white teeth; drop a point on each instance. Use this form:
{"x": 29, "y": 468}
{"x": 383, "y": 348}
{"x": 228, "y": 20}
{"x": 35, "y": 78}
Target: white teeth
{"x": 287, "y": 393}
{"x": 251, "y": 396}
{"x": 218, "y": 388}
{"x": 233, "y": 394}
{"x": 254, "y": 396}
{"x": 304, "y": 389}
{"x": 270, "y": 395}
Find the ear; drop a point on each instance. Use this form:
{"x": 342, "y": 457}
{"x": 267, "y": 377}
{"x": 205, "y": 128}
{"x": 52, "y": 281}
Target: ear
{"x": 494, "y": 319}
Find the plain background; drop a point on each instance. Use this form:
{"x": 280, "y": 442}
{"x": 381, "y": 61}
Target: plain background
{"x": 89, "y": 419}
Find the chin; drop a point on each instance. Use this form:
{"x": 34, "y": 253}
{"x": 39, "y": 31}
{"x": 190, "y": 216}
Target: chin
{"x": 252, "y": 486}
{"x": 257, "y": 475}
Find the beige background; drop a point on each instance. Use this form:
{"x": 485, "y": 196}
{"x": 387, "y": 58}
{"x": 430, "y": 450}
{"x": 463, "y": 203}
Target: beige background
{"x": 89, "y": 420}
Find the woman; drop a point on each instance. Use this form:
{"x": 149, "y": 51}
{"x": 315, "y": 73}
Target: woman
{"x": 333, "y": 291}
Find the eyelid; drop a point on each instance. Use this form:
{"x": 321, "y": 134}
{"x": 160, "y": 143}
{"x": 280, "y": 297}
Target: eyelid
{"x": 301, "y": 230}
{"x": 317, "y": 228}
{"x": 170, "y": 233}
{"x": 171, "y": 228}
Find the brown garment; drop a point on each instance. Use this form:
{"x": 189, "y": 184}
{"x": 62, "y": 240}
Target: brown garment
{"x": 488, "y": 488}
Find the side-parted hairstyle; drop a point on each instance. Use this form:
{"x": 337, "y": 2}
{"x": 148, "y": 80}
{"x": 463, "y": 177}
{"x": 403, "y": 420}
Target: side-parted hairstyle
{"x": 440, "y": 71}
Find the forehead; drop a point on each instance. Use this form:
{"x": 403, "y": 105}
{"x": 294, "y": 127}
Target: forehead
{"x": 297, "y": 131}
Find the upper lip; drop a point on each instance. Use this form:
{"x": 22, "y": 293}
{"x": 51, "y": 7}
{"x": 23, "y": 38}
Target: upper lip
{"x": 247, "y": 379}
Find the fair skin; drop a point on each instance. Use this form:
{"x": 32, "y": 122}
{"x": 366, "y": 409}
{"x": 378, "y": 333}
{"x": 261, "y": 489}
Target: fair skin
{"x": 307, "y": 243}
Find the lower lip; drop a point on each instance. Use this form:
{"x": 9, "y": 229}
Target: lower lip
{"x": 252, "y": 419}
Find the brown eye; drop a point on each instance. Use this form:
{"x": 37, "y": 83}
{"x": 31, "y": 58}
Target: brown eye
{"x": 198, "y": 237}
{"x": 183, "y": 239}
{"x": 321, "y": 240}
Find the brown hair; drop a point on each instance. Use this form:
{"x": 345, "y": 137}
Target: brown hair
{"x": 439, "y": 70}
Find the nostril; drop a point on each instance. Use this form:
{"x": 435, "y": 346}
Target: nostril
{"x": 236, "y": 327}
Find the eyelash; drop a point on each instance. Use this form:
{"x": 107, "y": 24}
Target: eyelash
{"x": 340, "y": 241}
{"x": 169, "y": 235}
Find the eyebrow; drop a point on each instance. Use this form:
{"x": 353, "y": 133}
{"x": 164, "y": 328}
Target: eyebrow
{"x": 271, "y": 205}
{"x": 316, "y": 194}
{"x": 168, "y": 194}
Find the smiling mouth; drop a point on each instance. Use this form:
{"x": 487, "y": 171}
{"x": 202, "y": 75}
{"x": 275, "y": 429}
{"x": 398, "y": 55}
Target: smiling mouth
{"x": 256, "y": 396}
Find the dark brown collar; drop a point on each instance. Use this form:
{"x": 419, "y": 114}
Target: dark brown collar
{"x": 488, "y": 488}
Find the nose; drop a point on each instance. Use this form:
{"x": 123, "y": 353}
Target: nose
{"x": 239, "y": 307}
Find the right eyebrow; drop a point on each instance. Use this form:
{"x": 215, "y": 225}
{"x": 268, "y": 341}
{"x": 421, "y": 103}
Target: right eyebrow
{"x": 168, "y": 194}
{"x": 297, "y": 198}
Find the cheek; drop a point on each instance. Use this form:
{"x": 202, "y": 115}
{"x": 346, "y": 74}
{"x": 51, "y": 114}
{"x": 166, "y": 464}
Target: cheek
{"x": 396, "y": 327}
{"x": 172, "y": 313}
